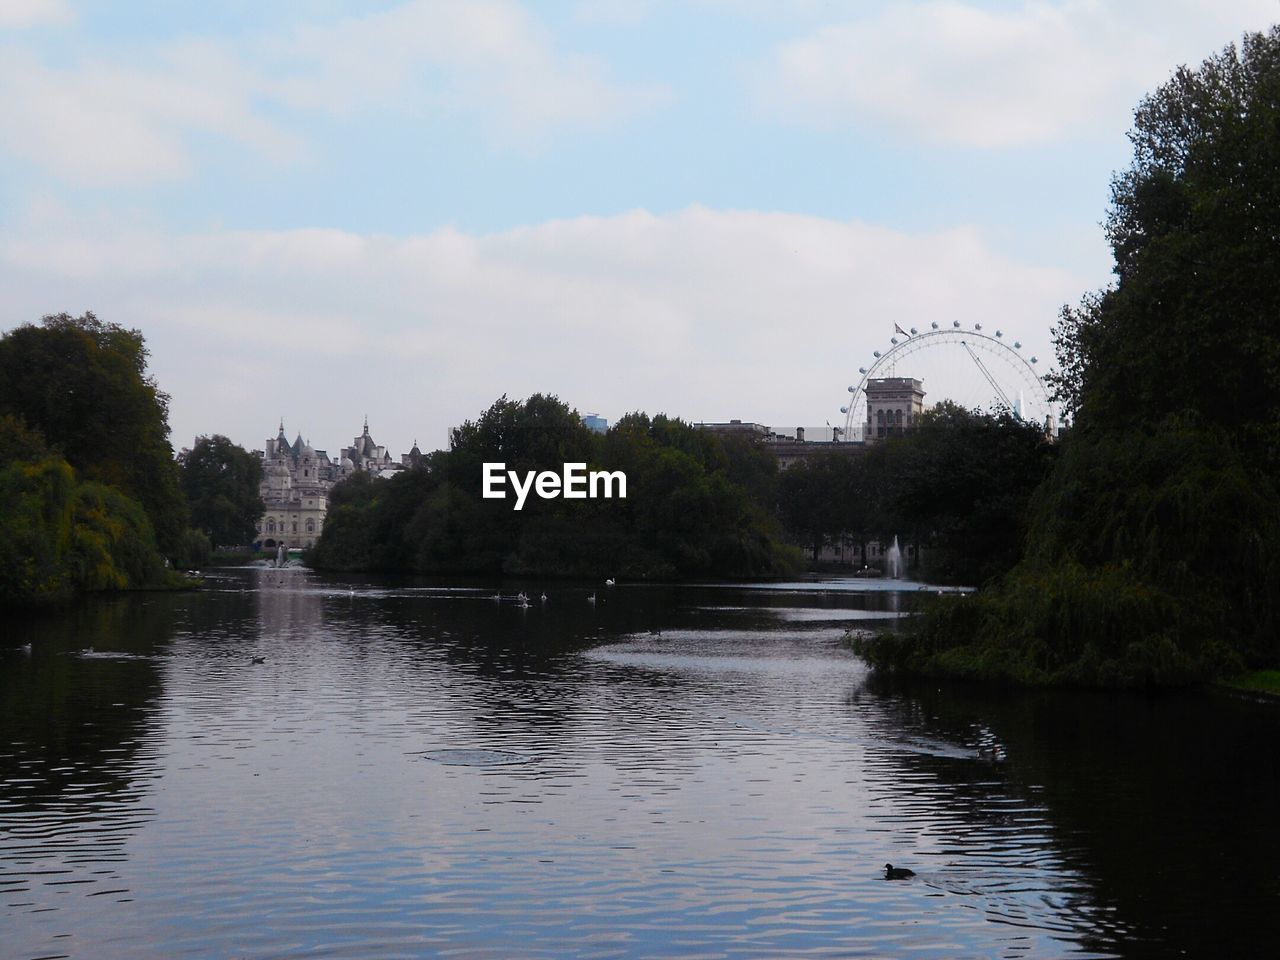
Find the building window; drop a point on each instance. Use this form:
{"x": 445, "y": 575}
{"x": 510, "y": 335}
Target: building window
{"x": 271, "y": 526}
{"x": 311, "y": 526}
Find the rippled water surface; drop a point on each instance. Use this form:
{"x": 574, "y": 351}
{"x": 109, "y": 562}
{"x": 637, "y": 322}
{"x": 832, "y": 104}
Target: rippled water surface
{"x": 418, "y": 770}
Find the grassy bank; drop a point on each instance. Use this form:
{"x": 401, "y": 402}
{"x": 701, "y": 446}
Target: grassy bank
{"x": 1255, "y": 681}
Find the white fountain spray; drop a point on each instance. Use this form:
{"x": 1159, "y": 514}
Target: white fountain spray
{"x": 893, "y": 561}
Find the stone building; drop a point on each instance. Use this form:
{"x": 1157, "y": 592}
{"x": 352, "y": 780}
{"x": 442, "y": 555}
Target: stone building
{"x": 295, "y": 491}
{"x": 893, "y": 405}
{"x": 296, "y": 479}
{"x": 789, "y": 445}
{"x": 414, "y": 459}
{"x": 367, "y": 455}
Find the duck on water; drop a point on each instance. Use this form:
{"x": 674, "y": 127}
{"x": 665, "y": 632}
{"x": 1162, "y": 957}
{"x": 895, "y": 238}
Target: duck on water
{"x": 897, "y": 873}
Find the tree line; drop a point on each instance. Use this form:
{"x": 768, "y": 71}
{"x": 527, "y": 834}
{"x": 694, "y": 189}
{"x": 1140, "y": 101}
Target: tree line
{"x": 689, "y": 510}
{"x": 96, "y": 500}
{"x": 956, "y": 486}
{"x": 699, "y": 504}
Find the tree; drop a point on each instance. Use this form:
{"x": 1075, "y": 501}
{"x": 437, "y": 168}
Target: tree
{"x": 60, "y": 535}
{"x": 221, "y": 481}
{"x": 1153, "y": 547}
{"x": 684, "y": 515}
{"x": 960, "y": 485}
{"x": 1194, "y": 226}
{"x": 814, "y": 501}
{"x": 84, "y": 385}
{"x": 540, "y": 433}
{"x": 751, "y": 465}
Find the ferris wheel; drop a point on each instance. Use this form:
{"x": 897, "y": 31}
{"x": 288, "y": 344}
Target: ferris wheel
{"x": 996, "y": 371}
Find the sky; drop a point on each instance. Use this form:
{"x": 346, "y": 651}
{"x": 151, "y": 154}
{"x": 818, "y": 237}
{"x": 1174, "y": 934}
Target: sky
{"x": 322, "y": 211}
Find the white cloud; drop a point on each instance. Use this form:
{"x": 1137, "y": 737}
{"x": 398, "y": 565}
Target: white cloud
{"x": 129, "y": 117}
{"x": 28, "y": 13}
{"x": 489, "y": 58}
{"x": 104, "y": 123}
{"x": 702, "y": 313}
{"x": 946, "y": 71}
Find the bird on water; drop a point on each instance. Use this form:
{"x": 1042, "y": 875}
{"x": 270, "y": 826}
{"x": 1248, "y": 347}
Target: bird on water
{"x": 897, "y": 873}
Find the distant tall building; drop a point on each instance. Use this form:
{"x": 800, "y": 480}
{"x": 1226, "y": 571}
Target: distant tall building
{"x": 295, "y": 491}
{"x": 296, "y": 479}
{"x": 893, "y": 405}
{"x": 595, "y": 423}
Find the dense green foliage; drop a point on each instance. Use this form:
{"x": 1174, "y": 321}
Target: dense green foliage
{"x": 89, "y": 496}
{"x": 1195, "y": 230}
{"x": 957, "y": 485}
{"x": 1153, "y": 549}
{"x": 221, "y": 481}
{"x": 83, "y": 385}
{"x": 59, "y": 535}
{"x": 687, "y": 512}
{"x": 831, "y": 500}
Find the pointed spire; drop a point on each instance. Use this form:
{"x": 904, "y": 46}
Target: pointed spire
{"x": 366, "y": 424}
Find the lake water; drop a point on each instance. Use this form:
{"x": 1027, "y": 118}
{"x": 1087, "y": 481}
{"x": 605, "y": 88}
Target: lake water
{"x": 418, "y": 770}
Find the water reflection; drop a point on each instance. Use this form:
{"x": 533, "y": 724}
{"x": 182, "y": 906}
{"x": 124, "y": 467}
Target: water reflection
{"x": 290, "y": 765}
{"x": 77, "y": 751}
{"x": 1163, "y": 801}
